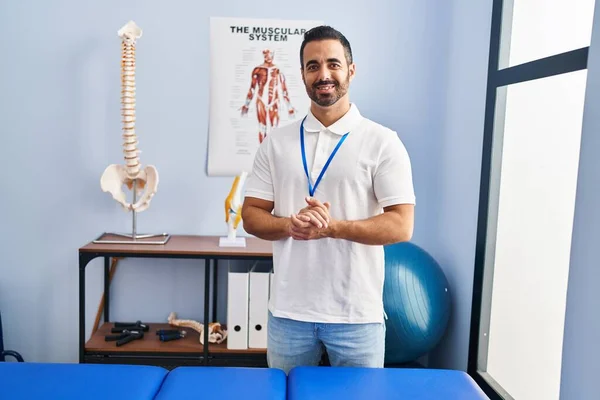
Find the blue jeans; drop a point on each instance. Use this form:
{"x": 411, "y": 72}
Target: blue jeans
{"x": 293, "y": 343}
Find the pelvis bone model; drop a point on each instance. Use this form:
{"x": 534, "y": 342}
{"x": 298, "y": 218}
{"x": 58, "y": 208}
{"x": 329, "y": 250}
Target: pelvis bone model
{"x": 131, "y": 174}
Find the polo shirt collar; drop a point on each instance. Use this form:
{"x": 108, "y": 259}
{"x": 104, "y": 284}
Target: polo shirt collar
{"x": 340, "y": 127}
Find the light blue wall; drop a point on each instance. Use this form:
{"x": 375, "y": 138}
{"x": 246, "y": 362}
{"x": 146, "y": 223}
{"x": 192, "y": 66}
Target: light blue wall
{"x": 452, "y": 236}
{"x": 581, "y": 348}
{"x": 61, "y": 128}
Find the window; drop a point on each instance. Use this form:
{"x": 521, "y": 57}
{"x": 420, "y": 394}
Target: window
{"x": 535, "y": 101}
{"x": 537, "y": 29}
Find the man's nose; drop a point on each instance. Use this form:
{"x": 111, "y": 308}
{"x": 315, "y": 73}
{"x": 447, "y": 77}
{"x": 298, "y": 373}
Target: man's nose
{"x": 324, "y": 73}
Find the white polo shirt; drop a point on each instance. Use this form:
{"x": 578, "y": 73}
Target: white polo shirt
{"x": 331, "y": 280}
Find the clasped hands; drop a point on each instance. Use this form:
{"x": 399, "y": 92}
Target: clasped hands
{"x": 312, "y": 222}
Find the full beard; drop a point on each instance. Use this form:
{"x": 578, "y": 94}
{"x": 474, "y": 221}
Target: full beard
{"x": 334, "y": 91}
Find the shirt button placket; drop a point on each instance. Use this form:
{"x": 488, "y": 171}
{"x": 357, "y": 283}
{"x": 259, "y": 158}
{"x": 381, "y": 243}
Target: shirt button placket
{"x": 320, "y": 156}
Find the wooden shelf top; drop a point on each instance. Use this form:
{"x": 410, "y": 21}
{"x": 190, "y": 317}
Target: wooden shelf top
{"x": 183, "y": 245}
{"x": 151, "y": 343}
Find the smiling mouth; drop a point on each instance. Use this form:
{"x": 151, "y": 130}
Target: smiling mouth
{"x": 325, "y": 88}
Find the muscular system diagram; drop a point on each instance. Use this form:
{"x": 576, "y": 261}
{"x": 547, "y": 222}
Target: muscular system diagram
{"x": 268, "y": 87}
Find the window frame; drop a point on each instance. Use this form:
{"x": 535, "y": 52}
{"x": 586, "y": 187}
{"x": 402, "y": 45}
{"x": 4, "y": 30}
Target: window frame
{"x": 499, "y": 77}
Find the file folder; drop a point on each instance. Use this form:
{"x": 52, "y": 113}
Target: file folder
{"x": 258, "y": 305}
{"x": 237, "y": 307}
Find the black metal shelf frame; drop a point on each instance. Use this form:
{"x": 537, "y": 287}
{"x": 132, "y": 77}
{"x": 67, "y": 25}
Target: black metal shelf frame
{"x": 158, "y": 358}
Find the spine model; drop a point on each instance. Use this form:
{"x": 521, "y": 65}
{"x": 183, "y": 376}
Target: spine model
{"x": 130, "y": 142}
{"x": 143, "y": 181}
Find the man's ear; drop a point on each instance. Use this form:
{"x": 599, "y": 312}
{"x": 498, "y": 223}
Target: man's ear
{"x": 352, "y": 70}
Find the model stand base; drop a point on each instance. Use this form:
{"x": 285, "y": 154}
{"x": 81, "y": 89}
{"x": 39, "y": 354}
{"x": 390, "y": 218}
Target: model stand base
{"x": 235, "y": 242}
{"x": 125, "y": 238}
{"x": 133, "y": 237}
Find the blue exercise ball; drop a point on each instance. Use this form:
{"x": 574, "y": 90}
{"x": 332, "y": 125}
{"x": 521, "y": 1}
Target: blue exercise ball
{"x": 416, "y": 299}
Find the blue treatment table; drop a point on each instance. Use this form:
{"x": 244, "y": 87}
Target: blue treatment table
{"x": 195, "y": 383}
{"x": 79, "y": 381}
{"x": 316, "y": 383}
{"x": 115, "y": 382}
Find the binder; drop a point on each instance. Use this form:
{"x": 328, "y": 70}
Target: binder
{"x": 258, "y": 305}
{"x": 237, "y": 307}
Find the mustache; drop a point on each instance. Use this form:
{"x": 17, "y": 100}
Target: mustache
{"x": 319, "y": 83}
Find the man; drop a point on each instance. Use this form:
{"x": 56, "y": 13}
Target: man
{"x": 266, "y": 82}
{"x": 329, "y": 218}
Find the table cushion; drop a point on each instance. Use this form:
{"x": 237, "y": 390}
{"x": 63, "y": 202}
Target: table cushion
{"x": 223, "y": 383}
{"x": 79, "y": 381}
{"x": 312, "y": 383}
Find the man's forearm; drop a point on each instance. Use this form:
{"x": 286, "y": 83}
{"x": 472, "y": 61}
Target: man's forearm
{"x": 383, "y": 229}
{"x": 265, "y": 225}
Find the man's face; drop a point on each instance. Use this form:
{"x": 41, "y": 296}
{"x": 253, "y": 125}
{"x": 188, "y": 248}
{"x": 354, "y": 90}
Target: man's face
{"x": 325, "y": 73}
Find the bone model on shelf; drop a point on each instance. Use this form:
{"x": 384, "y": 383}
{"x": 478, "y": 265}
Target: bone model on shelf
{"x": 233, "y": 205}
{"x": 144, "y": 181}
{"x": 233, "y": 213}
{"x": 216, "y": 333}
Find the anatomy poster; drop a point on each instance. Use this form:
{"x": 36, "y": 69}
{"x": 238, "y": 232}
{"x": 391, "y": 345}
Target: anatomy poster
{"x": 255, "y": 86}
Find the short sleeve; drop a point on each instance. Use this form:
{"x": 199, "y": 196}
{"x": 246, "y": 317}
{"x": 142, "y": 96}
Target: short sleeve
{"x": 260, "y": 182}
{"x": 392, "y": 181}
